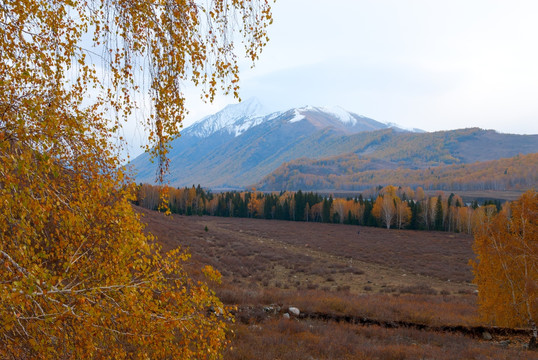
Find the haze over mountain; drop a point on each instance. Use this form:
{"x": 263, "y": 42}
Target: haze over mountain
{"x": 241, "y": 144}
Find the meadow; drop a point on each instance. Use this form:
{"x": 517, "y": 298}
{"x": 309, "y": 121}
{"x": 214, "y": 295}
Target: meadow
{"x": 362, "y": 292}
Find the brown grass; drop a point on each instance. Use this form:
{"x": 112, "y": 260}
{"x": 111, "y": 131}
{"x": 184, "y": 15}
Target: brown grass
{"x": 297, "y": 340}
{"x": 429, "y": 310}
{"x": 284, "y": 252}
{"x": 386, "y": 275}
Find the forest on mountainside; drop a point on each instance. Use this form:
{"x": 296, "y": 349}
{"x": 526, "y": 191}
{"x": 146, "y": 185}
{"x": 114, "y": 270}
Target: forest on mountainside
{"x": 355, "y": 172}
{"x": 275, "y": 148}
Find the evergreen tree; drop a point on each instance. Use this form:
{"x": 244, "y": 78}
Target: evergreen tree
{"x": 414, "y": 223}
{"x": 300, "y": 203}
{"x": 439, "y": 214}
{"x": 326, "y": 210}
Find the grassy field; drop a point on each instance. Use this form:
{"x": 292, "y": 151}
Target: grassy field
{"x": 363, "y": 293}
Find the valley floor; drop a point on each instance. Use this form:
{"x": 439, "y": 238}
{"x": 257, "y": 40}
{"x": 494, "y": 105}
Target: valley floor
{"x": 412, "y": 289}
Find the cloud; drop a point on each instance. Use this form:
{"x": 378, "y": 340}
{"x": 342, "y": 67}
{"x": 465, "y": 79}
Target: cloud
{"x": 420, "y": 63}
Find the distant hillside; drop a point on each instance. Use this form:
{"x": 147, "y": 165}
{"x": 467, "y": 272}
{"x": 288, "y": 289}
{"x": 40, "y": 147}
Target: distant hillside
{"x": 241, "y": 144}
{"x": 421, "y": 150}
{"x": 353, "y": 172}
{"x": 238, "y": 146}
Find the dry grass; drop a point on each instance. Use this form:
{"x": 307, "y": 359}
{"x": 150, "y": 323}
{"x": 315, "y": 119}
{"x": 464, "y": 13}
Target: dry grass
{"x": 297, "y": 340}
{"x": 294, "y": 255}
{"x": 429, "y": 310}
{"x": 389, "y": 276}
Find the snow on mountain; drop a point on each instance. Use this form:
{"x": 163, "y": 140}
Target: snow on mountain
{"x": 400, "y": 128}
{"x": 342, "y": 114}
{"x": 339, "y": 113}
{"x": 234, "y": 119}
{"x": 242, "y": 142}
{"x": 297, "y": 117}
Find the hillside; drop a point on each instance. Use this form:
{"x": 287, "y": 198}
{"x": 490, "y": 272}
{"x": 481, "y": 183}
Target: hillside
{"x": 239, "y": 146}
{"x": 354, "y": 172}
{"x": 422, "y": 150}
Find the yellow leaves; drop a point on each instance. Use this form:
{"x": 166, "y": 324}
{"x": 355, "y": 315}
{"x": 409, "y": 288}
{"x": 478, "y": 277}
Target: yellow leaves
{"x": 507, "y": 266}
{"x": 212, "y": 274}
{"x": 32, "y": 342}
{"x": 80, "y": 258}
{"x": 384, "y": 209}
{"x": 97, "y": 247}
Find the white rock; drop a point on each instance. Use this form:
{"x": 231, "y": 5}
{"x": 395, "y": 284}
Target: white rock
{"x": 294, "y": 310}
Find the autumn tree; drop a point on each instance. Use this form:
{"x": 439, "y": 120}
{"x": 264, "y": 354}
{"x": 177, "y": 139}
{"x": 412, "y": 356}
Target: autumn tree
{"x": 428, "y": 212}
{"x": 339, "y": 210}
{"x": 384, "y": 209}
{"x": 317, "y": 212}
{"x": 256, "y": 204}
{"x": 79, "y": 279}
{"x": 506, "y": 269}
{"x": 148, "y": 196}
{"x": 403, "y": 213}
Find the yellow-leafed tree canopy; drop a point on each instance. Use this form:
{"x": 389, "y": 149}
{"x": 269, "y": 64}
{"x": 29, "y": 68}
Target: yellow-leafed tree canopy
{"x": 78, "y": 277}
{"x": 506, "y": 270}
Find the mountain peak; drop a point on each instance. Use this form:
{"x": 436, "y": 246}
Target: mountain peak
{"x": 334, "y": 117}
{"x": 249, "y": 107}
{"x": 234, "y": 118}
{"x": 337, "y": 112}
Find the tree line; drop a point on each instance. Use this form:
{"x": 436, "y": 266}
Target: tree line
{"x": 389, "y": 206}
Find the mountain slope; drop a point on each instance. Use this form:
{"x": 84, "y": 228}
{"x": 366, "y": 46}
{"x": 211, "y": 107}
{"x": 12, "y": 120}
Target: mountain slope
{"x": 239, "y": 146}
{"x": 352, "y": 173}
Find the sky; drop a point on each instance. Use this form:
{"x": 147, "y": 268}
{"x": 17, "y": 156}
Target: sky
{"x": 427, "y": 64}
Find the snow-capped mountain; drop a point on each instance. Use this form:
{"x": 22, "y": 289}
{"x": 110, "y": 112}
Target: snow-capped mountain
{"x": 336, "y": 111}
{"x": 242, "y": 143}
{"x": 234, "y": 119}
{"x": 237, "y": 118}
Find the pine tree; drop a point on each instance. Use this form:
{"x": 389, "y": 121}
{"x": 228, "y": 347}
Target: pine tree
{"x": 439, "y": 216}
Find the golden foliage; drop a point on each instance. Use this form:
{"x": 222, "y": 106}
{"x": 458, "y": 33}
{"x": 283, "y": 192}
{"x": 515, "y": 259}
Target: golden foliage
{"x": 351, "y": 172}
{"x": 79, "y": 279}
{"x": 506, "y": 270}
{"x": 384, "y": 209}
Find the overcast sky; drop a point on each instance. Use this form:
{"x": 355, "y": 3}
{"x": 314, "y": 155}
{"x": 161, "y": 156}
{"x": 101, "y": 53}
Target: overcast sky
{"x": 427, "y": 64}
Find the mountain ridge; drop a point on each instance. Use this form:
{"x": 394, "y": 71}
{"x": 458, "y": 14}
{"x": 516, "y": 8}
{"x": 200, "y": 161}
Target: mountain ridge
{"x": 350, "y": 172}
{"x": 238, "y": 147}
{"x": 238, "y": 118}
{"x": 257, "y": 143}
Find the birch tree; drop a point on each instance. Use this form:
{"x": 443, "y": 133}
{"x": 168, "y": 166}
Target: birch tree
{"x": 78, "y": 277}
{"x": 506, "y": 269}
{"x": 384, "y": 209}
